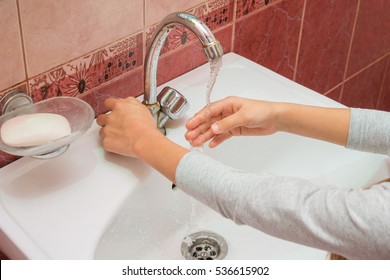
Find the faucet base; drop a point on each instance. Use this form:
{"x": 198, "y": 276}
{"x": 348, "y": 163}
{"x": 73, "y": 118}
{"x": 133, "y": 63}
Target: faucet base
{"x": 153, "y": 108}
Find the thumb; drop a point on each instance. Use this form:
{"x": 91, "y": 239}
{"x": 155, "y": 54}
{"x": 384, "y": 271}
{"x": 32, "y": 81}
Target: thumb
{"x": 226, "y": 124}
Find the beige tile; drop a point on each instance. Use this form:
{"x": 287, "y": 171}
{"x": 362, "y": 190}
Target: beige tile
{"x": 58, "y": 31}
{"x": 156, "y": 10}
{"x": 11, "y": 55}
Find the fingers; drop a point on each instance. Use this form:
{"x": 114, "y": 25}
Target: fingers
{"x": 208, "y": 112}
{"x": 101, "y": 119}
{"x": 219, "y": 139}
{"x": 227, "y": 124}
{"x": 110, "y": 103}
{"x": 203, "y": 116}
{"x": 201, "y": 138}
{"x": 204, "y": 125}
{"x": 202, "y": 132}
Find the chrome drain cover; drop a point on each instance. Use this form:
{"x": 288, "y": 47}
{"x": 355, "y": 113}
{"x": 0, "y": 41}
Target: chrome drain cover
{"x": 204, "y": 245}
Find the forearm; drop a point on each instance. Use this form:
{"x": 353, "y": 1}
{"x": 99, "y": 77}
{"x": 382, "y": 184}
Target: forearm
{"x": 352, "y": 223}
{"x": 369, "y": 131}
{"x": 160, "y": 153}
{"x": 328, "y": 124}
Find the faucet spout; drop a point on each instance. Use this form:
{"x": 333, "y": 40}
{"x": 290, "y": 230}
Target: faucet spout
{"x": 211, "y": 48}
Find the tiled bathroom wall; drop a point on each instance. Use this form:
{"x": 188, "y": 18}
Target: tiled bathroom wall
{"x": 93, "y": 49}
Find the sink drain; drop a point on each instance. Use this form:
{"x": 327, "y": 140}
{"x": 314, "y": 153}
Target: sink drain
{"x": 204, "y": 245}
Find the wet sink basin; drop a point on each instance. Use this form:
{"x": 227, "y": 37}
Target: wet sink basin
{"x": 88, "y": 204}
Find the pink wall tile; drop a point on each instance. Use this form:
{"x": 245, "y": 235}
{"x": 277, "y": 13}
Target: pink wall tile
{"x": 58, "y": 31}
{"x": 384, "y": 100}
{"x": 11, "y": 55}
{"x": 79, "y": 76}
{"x": 130, "y": 84}
{"x": 215, "y": 16}
{"x": 6, "y": 158}
{"x": 93, "y": 49}
{"x": 335, "y": 93}
{"x": 3, "y": 256}
{"x": 188, "y": 58}
{"x": 245, "y": 7}
{"x": 270, "y": 37}
{"x": 156, "y": 10}
{"x": 325, "y": 43}
{"x": 363, "y": 90}
{"x": 372, "y": 34}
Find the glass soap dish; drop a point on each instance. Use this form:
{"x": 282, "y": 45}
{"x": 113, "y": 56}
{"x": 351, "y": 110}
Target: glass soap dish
{"x": 79, "y": 114}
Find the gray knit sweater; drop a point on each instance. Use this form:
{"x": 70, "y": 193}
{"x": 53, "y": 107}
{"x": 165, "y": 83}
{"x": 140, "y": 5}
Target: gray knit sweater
{"x": 354, "y": 223}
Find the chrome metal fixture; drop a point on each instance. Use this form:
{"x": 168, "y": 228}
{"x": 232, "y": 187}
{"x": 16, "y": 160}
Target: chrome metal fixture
{"x": 12, "y": 100}
{"x": 170, "y": 104}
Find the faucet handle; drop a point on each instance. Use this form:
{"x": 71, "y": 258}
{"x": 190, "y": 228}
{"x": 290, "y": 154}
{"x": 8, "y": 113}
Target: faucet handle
{"x": 173, "y": 105}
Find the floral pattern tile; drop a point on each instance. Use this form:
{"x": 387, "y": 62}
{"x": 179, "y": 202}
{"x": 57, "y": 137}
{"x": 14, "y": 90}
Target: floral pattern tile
{"x": 82, "y": 75}
{"x": 215, "y": 14}
{"x": 245, "y": 7}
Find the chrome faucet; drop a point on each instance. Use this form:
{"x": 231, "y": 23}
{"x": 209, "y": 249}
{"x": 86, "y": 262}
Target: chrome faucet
{"x": 170, "y": 104}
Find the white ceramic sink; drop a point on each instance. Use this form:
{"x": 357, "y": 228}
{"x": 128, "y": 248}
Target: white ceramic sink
{"x": 89, "y": 204}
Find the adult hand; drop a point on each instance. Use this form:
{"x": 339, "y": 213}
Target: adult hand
{"x": 232, "y": 116}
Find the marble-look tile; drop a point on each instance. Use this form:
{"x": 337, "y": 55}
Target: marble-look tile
{"x": 362, "y": 91}
{"x": 325, "y": 42}
{"x": 384, "y": 100}
{"x": 156, "y": 10}
{"x": 372, "y": 34}
{"x": 11, "y": 53}
{"x": 59, "y": 31}
{"x": 270, "y": 37}
{"x": 335, "y": 93}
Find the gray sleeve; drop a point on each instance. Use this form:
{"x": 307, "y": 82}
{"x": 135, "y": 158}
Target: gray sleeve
{"x": 369, "y": 131}
{"x": 350, "y": 222}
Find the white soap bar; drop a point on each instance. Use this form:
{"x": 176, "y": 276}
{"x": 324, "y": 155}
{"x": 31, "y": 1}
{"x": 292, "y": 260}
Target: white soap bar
{"x": 34, "y": 129}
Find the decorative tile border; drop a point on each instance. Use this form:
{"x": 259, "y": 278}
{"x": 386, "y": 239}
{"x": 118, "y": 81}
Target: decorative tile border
{"x": 78, "y": 77}
{"x": 245, "y": 7}
{"x": 215, "y": 14}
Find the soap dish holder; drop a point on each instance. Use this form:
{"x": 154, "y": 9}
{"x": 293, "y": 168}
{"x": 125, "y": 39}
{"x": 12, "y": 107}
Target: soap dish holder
{"x": 79, "y": 114}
